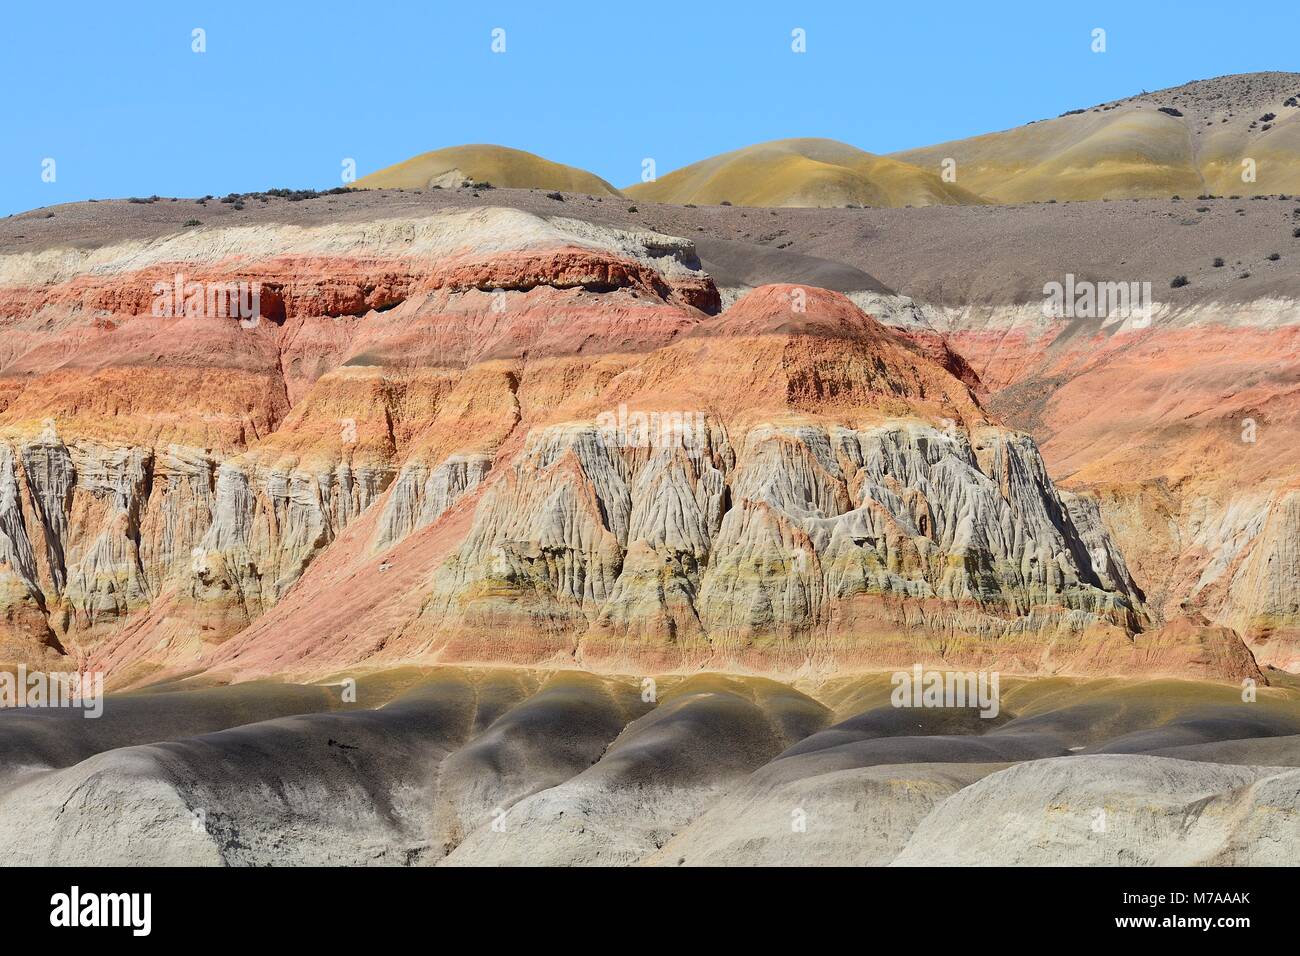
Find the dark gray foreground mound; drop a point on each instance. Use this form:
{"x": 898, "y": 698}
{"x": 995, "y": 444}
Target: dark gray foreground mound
{"x": 472, "y": 766}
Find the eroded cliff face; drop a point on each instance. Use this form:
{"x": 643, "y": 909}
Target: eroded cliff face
{"x": 167, "y": 464}
{"x": 1185, "y": 428}
{"x": 802, "y": 545}
{"x": 494, "y": 436}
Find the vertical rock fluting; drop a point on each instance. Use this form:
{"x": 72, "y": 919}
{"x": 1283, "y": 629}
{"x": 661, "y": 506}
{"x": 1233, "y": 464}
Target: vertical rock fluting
{"x": 812, "y": 543}
{"x": 1185, "y": 428}
{"x": 171, "y": 473}
{"x": 422, "y": 451}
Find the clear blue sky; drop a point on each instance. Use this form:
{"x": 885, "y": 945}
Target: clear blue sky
{"x": 114, "y": 94}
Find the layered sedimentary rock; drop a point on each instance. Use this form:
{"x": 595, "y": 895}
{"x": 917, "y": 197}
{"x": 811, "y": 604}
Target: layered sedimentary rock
{"x": 488, "y": 435}
{"x": 174, "y": 467}
{"x": 1185, "y": 430}
{"x": 825, "y": 496}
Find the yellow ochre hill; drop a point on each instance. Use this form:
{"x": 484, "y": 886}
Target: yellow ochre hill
{"x": 802, "y": 172}
{"x": 499, "y": 165}
{"x": 1231, "y": 135}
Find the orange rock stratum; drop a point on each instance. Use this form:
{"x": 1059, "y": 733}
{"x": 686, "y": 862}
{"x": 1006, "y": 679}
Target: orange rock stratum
{"x": 491, "y": 436}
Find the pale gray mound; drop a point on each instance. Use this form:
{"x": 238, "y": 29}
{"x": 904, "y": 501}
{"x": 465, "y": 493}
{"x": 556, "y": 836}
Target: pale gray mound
{"x": 1150, "y": 721}
{"x": 540, "y": 743}
{"x": 899, "y": 722}
{"x": 854, "y": 817}
{"x": 851, "y": 794}
{"x": 1201, "y": 730}
{"x": 1256, "y": 752}
{"x": 42, "y": 739}
{"x": 664, "y": 770}
{"x": 348, "y": 788}
{"x": 883, "y": 751}
{"x": 1115, "y": 810}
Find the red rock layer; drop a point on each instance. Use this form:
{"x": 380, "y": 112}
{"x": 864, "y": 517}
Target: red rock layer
{"x": 1189, "y": 430}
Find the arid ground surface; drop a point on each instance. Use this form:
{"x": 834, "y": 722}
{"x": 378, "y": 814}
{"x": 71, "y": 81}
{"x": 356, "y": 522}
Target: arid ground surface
{"x": 386, "y": 571}
{"x": 487, "y": 766}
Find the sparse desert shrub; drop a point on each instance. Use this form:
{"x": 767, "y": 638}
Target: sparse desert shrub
{"x": 293, "y": 195}
{"x": 191, "y": 222}
{"x": 1177, "y": 282}
{"x": 1202, "y": 208}
{"x": 1218, "y": 262}
{"x": 1273, "y": 256}
{"x": 631, "y": 208}
{"x": 1244, "y": 275}
{"x": 725, "y": 202}
{"x": 1296, "y": 232}
{"x": 1268, "y": 117}
{"x": 556, "y": 196}
{"x": 1170, "y": 110}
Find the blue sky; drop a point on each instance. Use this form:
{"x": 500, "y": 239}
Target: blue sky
{"x": 285, "y": 92}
